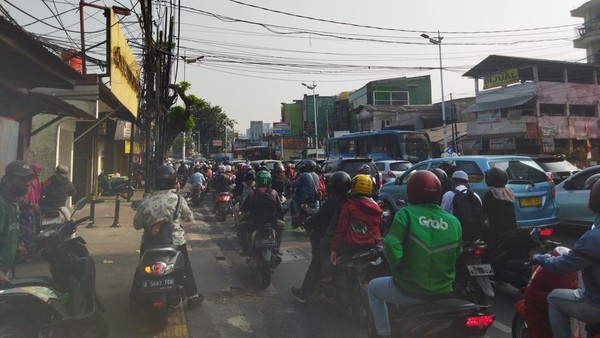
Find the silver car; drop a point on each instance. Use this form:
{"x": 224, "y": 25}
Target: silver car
{"x": 390, "y": 169}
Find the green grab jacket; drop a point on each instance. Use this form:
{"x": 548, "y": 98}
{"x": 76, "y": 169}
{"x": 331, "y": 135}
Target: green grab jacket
{"x": 421, "y": 248}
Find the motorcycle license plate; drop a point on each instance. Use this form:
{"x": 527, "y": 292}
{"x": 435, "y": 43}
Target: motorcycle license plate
{"x": 155, "y": 285}
{"x": 261, "y": 243}
{"x": 476, "y": 270}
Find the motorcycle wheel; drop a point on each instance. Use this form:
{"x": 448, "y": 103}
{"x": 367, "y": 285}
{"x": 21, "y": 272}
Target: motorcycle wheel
{"x": 264, "y": 274}
{"x": 7, "y": 331}
{"x": 159, "y": 318}
{"x": 519, "y": 327}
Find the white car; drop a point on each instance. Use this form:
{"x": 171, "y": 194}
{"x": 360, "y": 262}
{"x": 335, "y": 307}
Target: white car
{"x": 390, "y": 169}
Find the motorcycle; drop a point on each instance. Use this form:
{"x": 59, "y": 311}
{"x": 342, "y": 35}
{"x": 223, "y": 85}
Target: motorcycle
{"x": 263, "y": 254}
{"x": 531, "y": 312}
{"x": 161, "y": 273}
{"x": 223, "y": 205}
{"x": 446, "y": 317}
{"x": 109, "y": 185}
{"x": 65, "y": 305}
{"x": 198, "y": 194}
{"x": 472, "y": 282}
{"x": 307, "y": 210}
{"x": 513, "y": 249}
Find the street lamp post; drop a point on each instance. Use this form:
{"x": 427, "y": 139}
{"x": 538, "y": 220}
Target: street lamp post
{"x": 438, "y": 41}
{"x": 315, "y": 109}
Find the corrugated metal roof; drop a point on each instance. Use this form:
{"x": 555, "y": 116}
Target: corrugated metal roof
{"x": 499, "y": 104}
{"x": 436, "y": 134}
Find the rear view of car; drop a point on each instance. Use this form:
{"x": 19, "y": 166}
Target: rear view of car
{"x": 391, "y": 169}
{"x": 556, "y": 166}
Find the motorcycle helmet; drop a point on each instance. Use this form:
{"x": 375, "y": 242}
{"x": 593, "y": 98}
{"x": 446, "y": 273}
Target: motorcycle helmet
{"x": 309, "y": 166}
{"x": 365, "y": 169}
{"x": 263, "y": 179}
{"x": 164, "y": 178}
{"x": 448, "y": 166}
{"x": 278, "y": 168}
{"x": 249, "y": 176}
{"x": 594, "y": 201}
{"x": 362, "y": 185}
{"x": 228, "y": 168}
{"x": 221, "y": 169}
{"x": 263, "y": 167}
{"x": 440, "y": 174}
{"x": 340, "y": 183}
{"x": 496, "y": 177}
{"x": 424, "y": 187}
{"x": 197, "y": 169}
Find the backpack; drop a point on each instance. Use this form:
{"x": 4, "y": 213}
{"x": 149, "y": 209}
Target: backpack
{"x": 469, "y": 211}
{"x": 263, "y": 207}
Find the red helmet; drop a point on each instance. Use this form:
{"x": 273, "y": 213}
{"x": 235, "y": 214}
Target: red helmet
{"x": 424, "y": 187}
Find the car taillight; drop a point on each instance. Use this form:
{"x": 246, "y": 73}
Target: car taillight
{"x": 551, "y": 181}
{"x": 481, "y": 321}
{"x": 477, "y": 252}
{"x": 390, "y": 174}
{"x": 546, "y": 232}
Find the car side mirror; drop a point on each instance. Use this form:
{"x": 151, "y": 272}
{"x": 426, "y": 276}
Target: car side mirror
{"x": 398, "y": 180}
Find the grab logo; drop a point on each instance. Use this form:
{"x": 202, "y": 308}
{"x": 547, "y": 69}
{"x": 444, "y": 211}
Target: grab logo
{"x": 433, "y": 223}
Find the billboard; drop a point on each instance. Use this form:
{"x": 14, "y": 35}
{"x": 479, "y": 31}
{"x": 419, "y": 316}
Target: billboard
{"x": 124, "y": 70}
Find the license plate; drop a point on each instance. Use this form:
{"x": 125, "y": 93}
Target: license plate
{"x": 530, "y": 202}
{"x": 261, "y": 243}
{"x": 476, "y": 270}
{"x": 154, "y": 285}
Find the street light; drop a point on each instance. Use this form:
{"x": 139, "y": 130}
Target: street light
{"x": 438, "y": 41}
{"x": 315, "y": 109}
{"x": 187, "y": 60}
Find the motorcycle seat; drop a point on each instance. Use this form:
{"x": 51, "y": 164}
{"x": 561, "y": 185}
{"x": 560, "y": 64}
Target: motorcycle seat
{"x": 433, "y": 307}
{"x": 32, "y": 281}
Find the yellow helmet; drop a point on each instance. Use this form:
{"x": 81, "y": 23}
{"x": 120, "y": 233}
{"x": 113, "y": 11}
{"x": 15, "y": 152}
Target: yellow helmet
{"x": 362, "y": 184}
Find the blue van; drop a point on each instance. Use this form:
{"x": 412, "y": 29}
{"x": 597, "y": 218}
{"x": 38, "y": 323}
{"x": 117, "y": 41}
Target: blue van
{"x": 534, "y": 189}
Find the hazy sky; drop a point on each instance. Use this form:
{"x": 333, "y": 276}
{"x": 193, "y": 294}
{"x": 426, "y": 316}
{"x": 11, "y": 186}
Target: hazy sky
{"x": 257, "y": 53}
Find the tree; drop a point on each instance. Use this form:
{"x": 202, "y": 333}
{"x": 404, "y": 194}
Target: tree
{"x": 209, "y": 122}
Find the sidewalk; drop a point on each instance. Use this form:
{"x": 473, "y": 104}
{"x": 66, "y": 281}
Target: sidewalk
{"x": 116, "y": 253}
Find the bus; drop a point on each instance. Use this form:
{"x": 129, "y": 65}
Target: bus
{"x": 413, "y": 146}
{"x": 253, "y": 153}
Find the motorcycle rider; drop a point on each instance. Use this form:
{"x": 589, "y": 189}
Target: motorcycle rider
{"x": 499, "y": 206}
{"x": 57, "y": 190}
{"x": 14, "y": 184}
{"x": 321, "y": 227}
{"x": 221, "y": 182}
{"x": 415, "y": 232}
{"x": 158, "y": 206}
{"x": 197, "y": 180}
{"x": 280, "y": 182}
{"x": 306, "y": 190}
{"x": 584, "y": 303}
{"x": 359, "y": 210}
{"x": 241, "y": 191}
{"x": 265, "y": 214}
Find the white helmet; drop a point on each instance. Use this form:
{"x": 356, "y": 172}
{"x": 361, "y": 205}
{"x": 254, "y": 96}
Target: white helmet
{"x": 227, "y": 168}
{"x": 220, "y": 168}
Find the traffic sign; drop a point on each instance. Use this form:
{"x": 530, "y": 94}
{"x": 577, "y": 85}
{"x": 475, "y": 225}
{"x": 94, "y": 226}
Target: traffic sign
{"x": 281, "y": 125}
{"x": 282, "y": 131}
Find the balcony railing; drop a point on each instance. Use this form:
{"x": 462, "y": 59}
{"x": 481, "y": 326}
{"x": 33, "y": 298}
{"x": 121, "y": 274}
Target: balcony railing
{"x": 587, "y": 27}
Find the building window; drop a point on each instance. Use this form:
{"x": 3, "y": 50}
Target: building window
{"x": 552, "y": 109}
{"x": 582, "y": 110}
{"x": 390, "y": 98}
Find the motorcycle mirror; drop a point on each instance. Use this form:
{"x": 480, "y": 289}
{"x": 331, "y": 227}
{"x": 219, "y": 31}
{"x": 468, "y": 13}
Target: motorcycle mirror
{"x": 535, "y": 234}
{"x": 81, "y": 203}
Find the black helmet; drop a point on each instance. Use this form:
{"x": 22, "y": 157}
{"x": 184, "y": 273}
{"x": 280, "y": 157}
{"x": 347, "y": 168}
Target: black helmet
{"x": 310, "y": 166}
{"x": 365, "y": 169}
{"x": 440, "y": 174}
{"x": 249, "y": 175}
{"x": 164, "y": 178}
{"x": 423, "y": 187}
{"x": 339, "y": 183}
{"x": 448, "y": 166}
{"x": 496, "y": 177}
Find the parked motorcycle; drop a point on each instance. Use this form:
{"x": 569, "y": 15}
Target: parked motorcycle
{"x": 65, "y": 305}
{"x": 511, "y": 251}
{"x": 109, "y": 185}
{"x": 472, "y": 282}
{"x": 223, "y": 205}
{"x": 161, "y": 271}
{"x": 263, "y": 256}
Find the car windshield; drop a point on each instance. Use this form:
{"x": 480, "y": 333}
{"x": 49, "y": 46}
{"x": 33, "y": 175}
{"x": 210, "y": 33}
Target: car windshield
{"x": 521, "y": 170}
{"x": 352, "y": 167}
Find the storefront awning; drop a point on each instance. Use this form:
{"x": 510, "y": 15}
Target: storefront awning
{"x": 499, "y": 104}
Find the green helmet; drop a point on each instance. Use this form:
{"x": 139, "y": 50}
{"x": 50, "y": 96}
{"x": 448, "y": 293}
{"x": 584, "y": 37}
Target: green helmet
{"x": 263, "y": 179}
